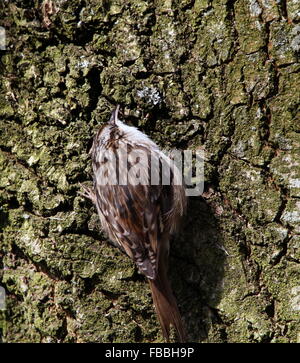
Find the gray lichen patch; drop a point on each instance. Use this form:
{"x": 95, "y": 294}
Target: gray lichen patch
{"x": 291, "y": 214}
{"x": 286, "y": 169}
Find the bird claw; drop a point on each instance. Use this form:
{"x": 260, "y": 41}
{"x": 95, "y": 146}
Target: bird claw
{"x": 87, "y": 193}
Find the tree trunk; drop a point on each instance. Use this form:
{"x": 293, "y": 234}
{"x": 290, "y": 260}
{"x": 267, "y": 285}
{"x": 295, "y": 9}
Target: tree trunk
{"x": 218, "y": 75}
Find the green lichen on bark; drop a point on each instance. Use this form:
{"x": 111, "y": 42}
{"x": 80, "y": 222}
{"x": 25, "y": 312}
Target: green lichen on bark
{"x": 218, "y": 75}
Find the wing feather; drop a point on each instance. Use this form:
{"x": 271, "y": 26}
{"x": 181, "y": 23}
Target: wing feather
{"x": 136, "y": 216}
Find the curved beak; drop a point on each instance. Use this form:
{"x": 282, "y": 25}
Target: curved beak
{"x": 114, "y": 115}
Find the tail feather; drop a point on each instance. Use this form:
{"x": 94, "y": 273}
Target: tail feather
{"x": 166, "y": 307}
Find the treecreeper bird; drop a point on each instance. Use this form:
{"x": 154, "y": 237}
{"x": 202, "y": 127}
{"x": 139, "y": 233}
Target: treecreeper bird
{"x": 138, "y": 209}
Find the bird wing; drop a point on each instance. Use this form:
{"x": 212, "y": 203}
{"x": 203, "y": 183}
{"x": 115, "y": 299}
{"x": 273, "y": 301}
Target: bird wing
{"x": 136, "y": 214}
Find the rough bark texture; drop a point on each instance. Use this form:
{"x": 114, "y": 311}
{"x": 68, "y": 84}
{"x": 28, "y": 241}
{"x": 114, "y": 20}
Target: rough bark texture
{"x": 222, "y": 75}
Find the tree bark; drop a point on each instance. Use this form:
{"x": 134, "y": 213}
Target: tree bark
{"x": 218, "y": 75}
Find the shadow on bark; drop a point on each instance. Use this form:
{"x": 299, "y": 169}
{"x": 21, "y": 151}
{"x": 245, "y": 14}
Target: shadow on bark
{"x": 197, "y": 269}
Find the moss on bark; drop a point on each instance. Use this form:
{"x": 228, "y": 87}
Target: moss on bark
{"x": 220, "y": 75}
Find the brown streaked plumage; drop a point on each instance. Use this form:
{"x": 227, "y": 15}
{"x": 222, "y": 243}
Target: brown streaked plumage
{"x": 138, "y": 217}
